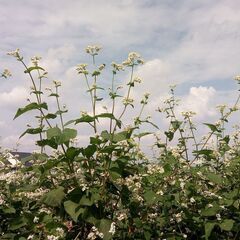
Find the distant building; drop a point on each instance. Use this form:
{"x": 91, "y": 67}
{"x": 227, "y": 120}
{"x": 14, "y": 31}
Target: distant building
{"x": 13, "y": 158}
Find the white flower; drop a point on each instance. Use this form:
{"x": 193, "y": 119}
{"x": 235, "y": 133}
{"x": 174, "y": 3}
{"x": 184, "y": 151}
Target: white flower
{"x": 52, "y": 237}
{"x": 178, "y": 217}
{"x": 57, "y": 83}
{"x": 2, "y": 201}
{"x": 35, "y": 60}
{"x": 182, "y": 184}
{"x": 82, "y": 69}
{"x": 188, "y": 114}
{"x": 146, "y": 95}
{"x": 93, "y": 49}
{"x": 36, "y": 219}
{"x": 6, "y": 73}
{"x": 101, "y": 67}
{"x": 127, "y": 101}
{"x": 192, "y": 200}
{"x": 14, "y": 53}
{"x": 30, "y": 237}
{"x": 60, "y": 231}
{"x": 218, "y": 216}
{"x": 133, "y": 59}
{"x": 122, "y": 216}
{"x": 112, "y": 228}
{"x": 160, "y": 192}
{"x": 91, "y": 236}
{"x": 237, "y": 78}
{"x": 94, "y": 233}
{"x": 137, "y": 80}
{"x": 117, "y": 67}
{"x": 172, "y": 182}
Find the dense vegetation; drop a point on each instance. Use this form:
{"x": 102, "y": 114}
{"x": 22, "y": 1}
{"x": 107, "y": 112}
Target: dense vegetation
{"x": 110, "y": 189}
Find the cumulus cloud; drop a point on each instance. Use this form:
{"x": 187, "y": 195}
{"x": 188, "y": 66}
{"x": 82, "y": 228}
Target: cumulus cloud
{"x": 186, "y": 42}
{"x": 14, "y": 97}
{"x": 200, "y": 100}
{"x": 56, "y": 59}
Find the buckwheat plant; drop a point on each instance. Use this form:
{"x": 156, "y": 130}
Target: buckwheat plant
{"x": 111, "y": 189}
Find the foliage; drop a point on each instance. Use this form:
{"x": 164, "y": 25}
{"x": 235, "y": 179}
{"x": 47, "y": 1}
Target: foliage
{"x": 110, "y": 189}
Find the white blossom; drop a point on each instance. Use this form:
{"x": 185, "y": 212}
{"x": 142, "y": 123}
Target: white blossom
{"x": 112, "y": 228}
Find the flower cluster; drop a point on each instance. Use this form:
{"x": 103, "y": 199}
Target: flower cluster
{"x": 94, "y": 234}
{"x": 133, "y": 59}
{"x": 82, "y": 69}
{"x": 35, "y": 60}
{"x": 6, "y": 73}
{"x": 93, "y": 49}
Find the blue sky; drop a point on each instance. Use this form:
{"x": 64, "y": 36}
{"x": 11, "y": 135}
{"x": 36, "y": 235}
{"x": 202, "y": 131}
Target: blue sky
{"x": 194, "y": 44}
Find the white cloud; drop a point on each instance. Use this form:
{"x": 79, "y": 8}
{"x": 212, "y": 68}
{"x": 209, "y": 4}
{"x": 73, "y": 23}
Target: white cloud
{"x": 155, "y": 74}
{"x": 57, "y": 59}
{"x": 14, "y": 97}
{"x": 187, "y": 42}
{"x": 200, "y": 101}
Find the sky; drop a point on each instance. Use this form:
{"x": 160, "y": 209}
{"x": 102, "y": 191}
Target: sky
{"x": 193, "y": 44}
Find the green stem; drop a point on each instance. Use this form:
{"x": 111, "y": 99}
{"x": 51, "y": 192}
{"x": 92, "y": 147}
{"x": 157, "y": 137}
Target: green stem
{"x": 94, "y": 103}
{"x": 128, "y": 94}
{"x": 203, "y": 146}
{"x": 41, "y": 116}
{"x": 59, "y": 108}
{"x": 193, "y": 135}
{"x": 113, "y": 103}
{"x": 180, "y": 131}
{"x": 35, "y": 89}
{"x": 92, "y": 99}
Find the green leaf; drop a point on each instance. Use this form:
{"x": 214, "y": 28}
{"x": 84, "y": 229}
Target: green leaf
{"x": 89, "y": 150}
{"x": 50, "y": 116}
{"x": 121, "y": 136}
{"x": 104, "y": 227}
{"x": 212, "y": 127}
{"x": 8, "y": 209}
{"x": 147, "y": 235}
{"x": 32, "y": 131}
{"x": 53, "y": 132}
{"x": 105, "y": 115}
{"x": 86, "y": 201}
{"x": 17, "y": 223}
{"x": 37, "y": 92}
{"x": 54, "y": 198}
{"x": 29, "y": 107}
{"x": 67, "y": 134}
{"x": 111, "y": 116}
{"x": 69, "y": 122}
{"x": 105, "y": 135}
{"x": 206, "y": 152}
{"x": 53, "y": 95}
{"x": 215, "y": 178}
{"x": 169, "y": 135}
{"x": 72, "y": 152}
{"x": 61, "y": 112}
{"x": 33, "y": 68}
{"x": 73, "y": 209}
{"x": 85, "y": 118}
{"x": 208, "y": 229}
{"x": 176, "y": 125}
{"x": 227, "y": 224}
{"x": 140, "y": 135}
{"x": 211, "y": 211}
{"x": 150, "y": 196}
{"x": 47, "y": 142}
